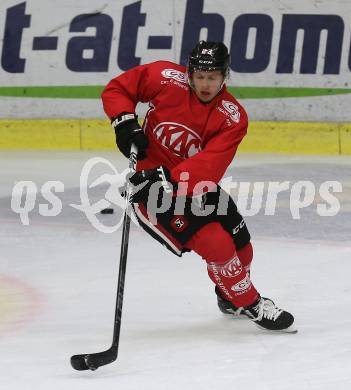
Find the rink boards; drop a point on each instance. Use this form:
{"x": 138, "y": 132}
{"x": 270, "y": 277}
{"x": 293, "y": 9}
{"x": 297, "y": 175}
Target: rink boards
{"x": 270, "y": 137}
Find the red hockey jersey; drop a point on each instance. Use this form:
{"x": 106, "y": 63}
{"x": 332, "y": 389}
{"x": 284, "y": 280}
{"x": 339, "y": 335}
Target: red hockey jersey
{"x": 185, "y": 135}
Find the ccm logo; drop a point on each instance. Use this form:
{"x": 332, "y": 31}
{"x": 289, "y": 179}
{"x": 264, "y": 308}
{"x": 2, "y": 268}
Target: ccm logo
{"x": 178, "y": 138}
{"x": 238, "y": 227}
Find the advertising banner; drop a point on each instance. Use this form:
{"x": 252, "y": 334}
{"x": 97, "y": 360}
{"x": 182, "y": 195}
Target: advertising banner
{"x": 289, "y": 60}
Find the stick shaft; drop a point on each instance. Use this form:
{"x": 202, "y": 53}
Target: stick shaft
{"x": 93, "y": 361}
{"x": 123, "y": 256}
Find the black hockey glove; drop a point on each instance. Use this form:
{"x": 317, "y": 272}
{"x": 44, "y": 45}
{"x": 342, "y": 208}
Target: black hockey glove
{"x": 143, "y": 181}
{"x": 128, "y": 131}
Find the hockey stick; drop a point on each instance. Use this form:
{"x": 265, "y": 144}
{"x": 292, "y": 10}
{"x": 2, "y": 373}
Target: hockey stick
{"x": 92, "y": 361}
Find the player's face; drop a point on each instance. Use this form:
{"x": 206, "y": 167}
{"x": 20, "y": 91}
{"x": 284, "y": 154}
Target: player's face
{"x": 207, "y": 84}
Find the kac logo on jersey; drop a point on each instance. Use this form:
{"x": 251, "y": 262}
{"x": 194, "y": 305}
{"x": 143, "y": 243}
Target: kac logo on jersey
{"x": 179, "y": 139}
{"x": 174, "y": 74}
{"x": 232, "y": 109}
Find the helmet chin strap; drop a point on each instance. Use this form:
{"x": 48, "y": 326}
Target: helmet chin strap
{"x": 225, "y": 78}
{"x": 191, "y": 84}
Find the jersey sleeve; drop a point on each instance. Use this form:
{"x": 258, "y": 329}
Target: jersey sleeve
{"x": 124, "y": 92}
{"x": 211, "y": 163}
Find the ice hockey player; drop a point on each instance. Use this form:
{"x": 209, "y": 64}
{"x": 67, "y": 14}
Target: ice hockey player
{"x": 189, "y": 137}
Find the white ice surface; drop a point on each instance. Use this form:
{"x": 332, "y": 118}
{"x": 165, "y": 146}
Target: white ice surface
{"x": 57, "y": 295}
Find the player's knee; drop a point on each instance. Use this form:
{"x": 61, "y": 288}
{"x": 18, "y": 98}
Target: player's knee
{"x": 213, "y": 243}
{"x": 245, "y": 255}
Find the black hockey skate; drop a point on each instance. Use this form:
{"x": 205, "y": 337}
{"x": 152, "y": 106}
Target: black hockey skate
{"x": 265, "y": 314}
{"x": 227, "y": 307}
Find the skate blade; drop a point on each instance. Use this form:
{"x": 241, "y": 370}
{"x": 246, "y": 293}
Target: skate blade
{"x": 236, "y": 316}
{"x": 290, "y": 330}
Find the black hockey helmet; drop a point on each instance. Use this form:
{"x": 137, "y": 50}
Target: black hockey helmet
{"x": 209, "y": 56}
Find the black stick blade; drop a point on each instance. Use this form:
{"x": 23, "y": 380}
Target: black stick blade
{"x": 93, "y": 361}
{"x": 78, "y": 362}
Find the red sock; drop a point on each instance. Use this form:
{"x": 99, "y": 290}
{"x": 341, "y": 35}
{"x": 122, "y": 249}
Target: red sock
{"x": 224, "y": 266}
{"x": 245, "y": 255}
{"x": 233, "y": 281}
